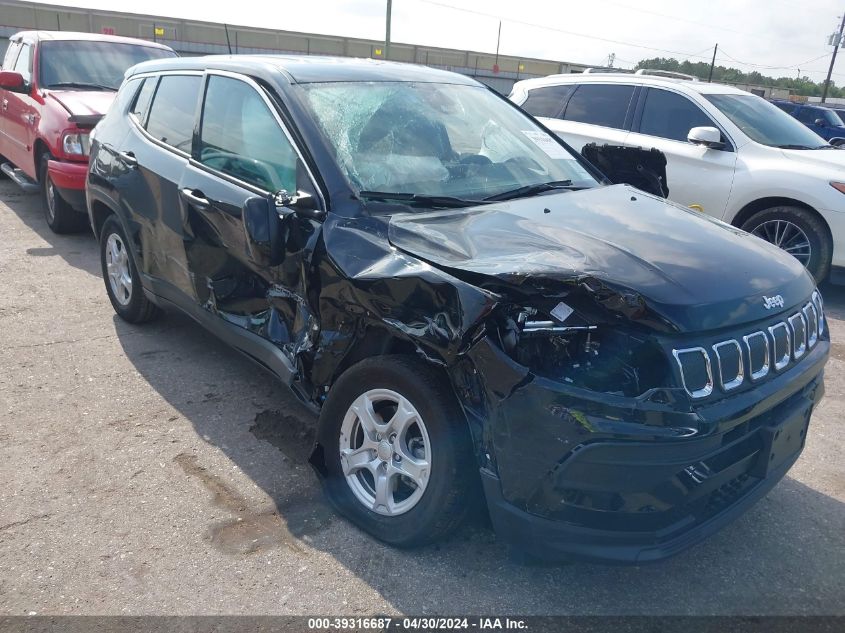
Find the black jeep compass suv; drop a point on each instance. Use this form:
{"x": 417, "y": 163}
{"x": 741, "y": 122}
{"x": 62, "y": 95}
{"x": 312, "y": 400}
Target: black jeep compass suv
{"x": 462, "y": 299}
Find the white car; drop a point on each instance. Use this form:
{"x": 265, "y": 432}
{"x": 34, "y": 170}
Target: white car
{"x": 729, "y": 153}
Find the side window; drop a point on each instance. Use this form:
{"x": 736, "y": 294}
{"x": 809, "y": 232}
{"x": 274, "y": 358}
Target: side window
{"x": 670, "y": 115}
{"x": 11, "y": 55}
{"x": 786, "y": 107}
{"x": 171, "y": 117}
{"x": 240, "y": 136}
{"x": 808, "y": 116}
{"x": 24, "y": 63}
{"x": 600, "y": 104}
{"x": 547, "y": 101}
{"x": 142, "y": 102}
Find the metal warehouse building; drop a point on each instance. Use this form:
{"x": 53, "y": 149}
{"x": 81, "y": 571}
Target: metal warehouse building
{"x": 194, "y": 37}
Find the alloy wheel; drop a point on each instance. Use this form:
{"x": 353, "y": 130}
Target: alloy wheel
{"x": 385, "y": 452}
{"x": 117, "y": 268}
{"x": 51, "y": 200}
{"x": 787, "y": 236}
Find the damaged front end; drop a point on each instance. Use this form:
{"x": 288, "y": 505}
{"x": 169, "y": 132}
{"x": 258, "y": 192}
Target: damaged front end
{"x": 593, "y": 441}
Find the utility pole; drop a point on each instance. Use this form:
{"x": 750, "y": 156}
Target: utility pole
{"x": 498, "y": 40}
{"x": 228, "y": 43}
{"x": 712, "y": 63}
{"x": 836, "y": 43}
{"x": 387, "y": 31}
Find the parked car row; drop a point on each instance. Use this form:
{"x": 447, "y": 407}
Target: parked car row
{"x": 729, "y": 154}
{"x": 824, "y": 121}
{"x": 467, "y": 303}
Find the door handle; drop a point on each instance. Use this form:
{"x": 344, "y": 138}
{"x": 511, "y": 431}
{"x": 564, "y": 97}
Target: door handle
{"x": 195, "y": 197}
{"x": 129, "y": 159}
{"x": 5, "y": 104}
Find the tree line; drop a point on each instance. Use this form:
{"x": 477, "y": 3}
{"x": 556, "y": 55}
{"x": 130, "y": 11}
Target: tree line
{"x": 722, "y": 74}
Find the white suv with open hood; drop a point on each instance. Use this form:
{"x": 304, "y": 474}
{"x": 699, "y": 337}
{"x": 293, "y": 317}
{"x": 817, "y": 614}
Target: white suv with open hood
{"x": 729, "y": 153}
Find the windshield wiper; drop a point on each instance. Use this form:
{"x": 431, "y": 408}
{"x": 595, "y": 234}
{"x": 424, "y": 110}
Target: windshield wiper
{"x": 81, "y": 84}
{"x": 448, "y": 202}
{"x": 530, "y": 190}
{"x": 793, "y": 146}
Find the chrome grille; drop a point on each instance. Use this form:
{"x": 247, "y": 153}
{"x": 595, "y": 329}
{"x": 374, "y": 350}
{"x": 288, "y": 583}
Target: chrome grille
{"x": 781, "y": 348}
{"x": 729, "y": 364}
{"x": 757, "y": 346}
{"x": 753, "y": 355}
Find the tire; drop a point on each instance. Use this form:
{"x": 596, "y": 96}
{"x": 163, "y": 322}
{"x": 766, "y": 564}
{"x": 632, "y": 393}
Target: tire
{"x": 123, "y": 284}
{"x": 61, "y": 217}
{"x": 438, "y": 436}
{"x": 785, "y": 224}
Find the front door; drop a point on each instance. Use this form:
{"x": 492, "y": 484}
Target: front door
{"x": 244, "y": 152}
{"x": 20, "y": 114}
{"x": 697, "y": 176}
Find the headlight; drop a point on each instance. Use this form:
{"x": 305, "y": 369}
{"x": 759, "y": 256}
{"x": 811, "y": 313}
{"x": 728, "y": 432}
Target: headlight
{"x": 598, "y": 358}
{"x": 75, "y": 144}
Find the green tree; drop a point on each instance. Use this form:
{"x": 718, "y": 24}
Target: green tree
{"x": 721, "y": 74}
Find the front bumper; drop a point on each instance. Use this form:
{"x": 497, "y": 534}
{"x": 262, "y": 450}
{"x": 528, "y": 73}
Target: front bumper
{"x": 632, "y": 493}
{"x": 69, "y": 179}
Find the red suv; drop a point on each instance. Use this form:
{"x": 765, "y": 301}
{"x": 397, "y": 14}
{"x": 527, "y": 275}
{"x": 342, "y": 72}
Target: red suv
{"x": 54, "y": 88}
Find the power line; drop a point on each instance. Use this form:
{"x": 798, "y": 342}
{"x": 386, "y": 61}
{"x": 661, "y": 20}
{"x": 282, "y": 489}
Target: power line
{"x": 545, "y": 27}
{"x": 557, "y": 30}
{"x": 673, "y": 17}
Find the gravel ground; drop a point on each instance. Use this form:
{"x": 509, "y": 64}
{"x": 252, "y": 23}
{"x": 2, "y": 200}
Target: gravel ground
{"x": 152, "y": 470}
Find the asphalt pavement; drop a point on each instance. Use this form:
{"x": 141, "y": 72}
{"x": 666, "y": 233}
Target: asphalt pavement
{"x": 152, "y": 470}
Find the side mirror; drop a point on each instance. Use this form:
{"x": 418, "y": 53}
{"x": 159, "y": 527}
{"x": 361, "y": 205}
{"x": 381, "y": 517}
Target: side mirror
{"x": 10, "y": 80}
{"x": 263, "y": 227}
{"x": 302, "y": 203}
{"x": 706, "y": 136}
{"x": 820, "y": 122}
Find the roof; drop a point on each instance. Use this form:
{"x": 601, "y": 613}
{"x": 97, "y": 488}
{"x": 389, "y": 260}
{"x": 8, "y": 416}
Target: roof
{"x": 310, "y": 69}
{"x": 619, "y": 78}
{"x": 79, "y": 36}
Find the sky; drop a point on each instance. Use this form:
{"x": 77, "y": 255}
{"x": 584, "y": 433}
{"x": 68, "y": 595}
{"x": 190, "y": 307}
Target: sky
{"x": 775, "y": 37}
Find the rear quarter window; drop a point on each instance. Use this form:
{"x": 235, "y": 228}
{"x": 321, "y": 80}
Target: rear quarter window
{"x": 547, "y": 101}
{"x": 171, "y": 116}
{"x": 141, "y": 106}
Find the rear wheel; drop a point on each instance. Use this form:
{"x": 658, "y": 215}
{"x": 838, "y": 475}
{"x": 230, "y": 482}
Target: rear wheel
{"x": 120, "y": 274}
{"x": 61, "y": 217}
{"x": 397, "y": 451}
{"x": 797, "y": 231}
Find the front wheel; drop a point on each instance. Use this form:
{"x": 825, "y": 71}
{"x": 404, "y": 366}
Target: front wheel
{"x": 398, "y": 452}
{"x": 797, "y": 231}
{"x": 61, "y": 217}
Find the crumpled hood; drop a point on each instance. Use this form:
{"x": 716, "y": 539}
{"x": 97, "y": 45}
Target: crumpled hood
{"x": 83, "y": 102}
{"x": 695, "y": 272}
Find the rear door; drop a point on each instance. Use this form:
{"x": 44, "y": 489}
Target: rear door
{"x": 595, "y": 113}
{"x": 154, "y": 156}
{"x": 697, "y": 176}
{"x": 244, "y": 151}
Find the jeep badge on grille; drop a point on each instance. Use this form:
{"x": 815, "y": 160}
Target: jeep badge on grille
{"x": 772, "y": 302}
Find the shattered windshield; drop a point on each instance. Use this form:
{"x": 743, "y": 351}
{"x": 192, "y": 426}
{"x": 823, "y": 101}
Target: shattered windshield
{"x": 430, "y": 139}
